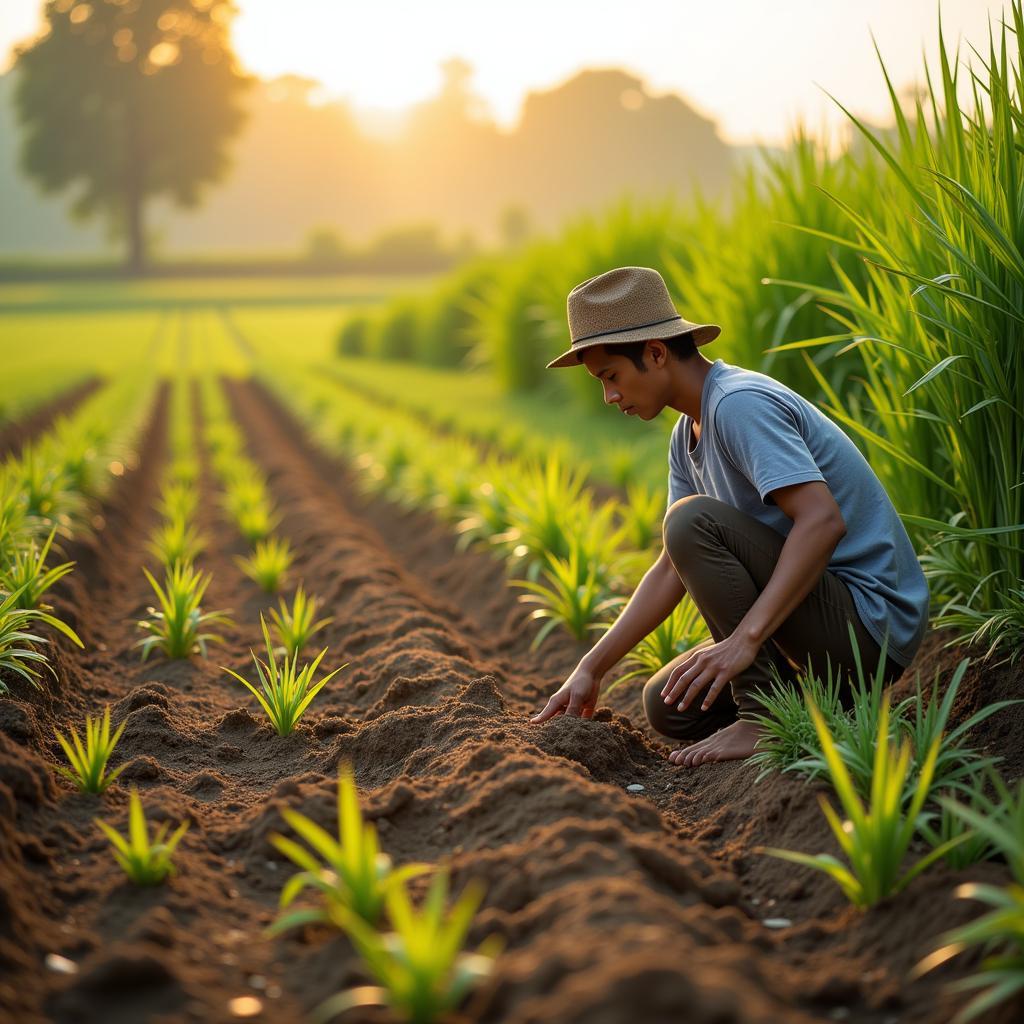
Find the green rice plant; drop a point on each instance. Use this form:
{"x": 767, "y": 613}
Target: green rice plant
{"x": 256, "y": 522}
{"x": 876, "y": 836}
{"x": 89, "y": 760}
{"x": 268, "y": 564}
{"x": 937, "y": 325}
{"x": 572, "y": 597}
{"x": 957, "y": 765}
{"x": 681, "y": 631}
{"x": 179, "y": 499}
{"x": 25, "y": 572}
{"x": 353, "y": 877}
{"x": 938, "y": 826}
{"x": 287, "y": 690}
{"x": 183, "y": 473}
{"x": 489, "y": 511}
{"x": 177, "y": 628}
{"x": 176, "y": 541}
{"x": 423, "y": 973}
{"x": 856, "y": 733}
{"x": 789, "y": 739}
{"x": 17, "y": 643}
{"x": 1001, "y": 821}
{"x": 1001, "y": 932}
{"x": 145, "y": 861}
{"x": 642, "y": 515}
{"x": 46, "y": 491}
{"x": 296, "y": 625}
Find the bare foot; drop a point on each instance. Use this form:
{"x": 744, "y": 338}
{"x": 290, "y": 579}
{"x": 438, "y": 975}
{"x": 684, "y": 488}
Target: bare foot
{"x": 733, "y": 743}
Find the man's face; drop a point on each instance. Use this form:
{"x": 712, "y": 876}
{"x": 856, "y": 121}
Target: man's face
{"x": 624, "y": 385}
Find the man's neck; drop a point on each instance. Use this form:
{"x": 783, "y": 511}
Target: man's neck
{"x": 688, "y": 386}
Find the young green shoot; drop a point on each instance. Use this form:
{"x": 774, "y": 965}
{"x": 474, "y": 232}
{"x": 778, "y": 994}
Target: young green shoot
{"x": 423, "y": 972}
{"x": 876, "y": 836}
{"x": 176, "y": 541}
{"x": 145, "y": 861}
{"x": 352, "y": 876}
{"x": 17, "y": 643}
{"x": 296, "y": 625}
{"x": 89, "y": 760}
{"x": 286, "y": 690}
{"x": 177, "y": 629}
{"x": 26, "y": 572}
{"x": 268, "y": 564}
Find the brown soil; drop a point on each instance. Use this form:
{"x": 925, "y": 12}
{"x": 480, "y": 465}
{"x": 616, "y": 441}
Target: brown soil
{"x": 14, "y": 435}
{"x": 614, "y": 906}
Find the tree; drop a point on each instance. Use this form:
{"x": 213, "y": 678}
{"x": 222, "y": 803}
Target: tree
{"x": 129, "y": 99}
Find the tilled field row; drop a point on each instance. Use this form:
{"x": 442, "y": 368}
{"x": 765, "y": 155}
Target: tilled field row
{"x": 609, "y": 908}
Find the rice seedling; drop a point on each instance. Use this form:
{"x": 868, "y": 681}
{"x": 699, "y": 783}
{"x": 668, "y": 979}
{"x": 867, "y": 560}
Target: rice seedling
{"x": 268, "y": 564}
{"x": 256, "y": 522}
{"x": 876, "y": 836}
{"x": 25, "y": 571}
{"x": 17, "y": 650}
{"x": 573, "y": 597}
{"x": 287, "y": 690}
{"x": 89, "y": 760}
{"x": 177, "y": 629}
{"x": 424, "y": 975}
{"x": 296, "y": 625}
{"x": 176, "y": 541}
{"x": 179, "y": 499}
{"x": 46, "y": 492}
{"x": 789, "y": 739}
{"x": 682, "y": 630}
{"x": 938, "y": 826}
{"x": 642, "y": 515}
{"x": 145, "y": 861}
{"x": 354, "y": 876}
{"x": 1000, "y": 932}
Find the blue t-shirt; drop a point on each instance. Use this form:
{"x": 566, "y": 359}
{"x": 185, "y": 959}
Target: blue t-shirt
{"x": 756, "y": 435}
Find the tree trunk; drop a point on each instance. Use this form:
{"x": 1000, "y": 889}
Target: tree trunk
{"x": 134, "y": 180}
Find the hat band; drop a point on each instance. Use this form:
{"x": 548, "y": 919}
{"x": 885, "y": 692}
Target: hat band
{"x": 622, "y": 330}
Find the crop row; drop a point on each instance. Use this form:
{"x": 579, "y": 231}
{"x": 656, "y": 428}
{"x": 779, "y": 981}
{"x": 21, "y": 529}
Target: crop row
{"x": 49, "y": 494}
{"x": 901, "y": 779}
{"x": 421, "y": 966}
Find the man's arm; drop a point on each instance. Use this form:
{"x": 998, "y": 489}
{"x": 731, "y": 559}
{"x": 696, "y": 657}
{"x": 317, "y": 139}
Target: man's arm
{"x": 656, "y": 595}
{"x": 818, "y": 527}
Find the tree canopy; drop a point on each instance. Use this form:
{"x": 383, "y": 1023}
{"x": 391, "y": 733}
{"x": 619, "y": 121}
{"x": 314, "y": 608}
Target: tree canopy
{"x": 129, "y": 99}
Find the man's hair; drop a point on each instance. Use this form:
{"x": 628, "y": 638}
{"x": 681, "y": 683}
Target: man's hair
{"x": 681, "y": 347}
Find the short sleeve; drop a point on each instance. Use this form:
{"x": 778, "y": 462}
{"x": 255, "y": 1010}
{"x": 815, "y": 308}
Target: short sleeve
{"x": 760, "y": 433}
{"x": 680, "y": 483}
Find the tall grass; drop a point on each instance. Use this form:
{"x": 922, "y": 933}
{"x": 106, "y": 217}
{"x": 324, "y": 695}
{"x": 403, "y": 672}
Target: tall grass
{"x": 939, "y": 325}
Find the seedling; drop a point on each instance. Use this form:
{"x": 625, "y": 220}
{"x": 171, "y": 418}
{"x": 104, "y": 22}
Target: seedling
{"x": 574, "y": 598}
{"x": 268, "y": 563}
{"x": 876, "y": 836}
{"x": 355, "y": 876}
{"x": 177, "y": 629}
{"x": 143, "y": 861}
{"x": 295, "y": 626}
{"x": 17, "y": 652}
{"x": 26, "y": 572}
{"x": 89, "y": 761}
{"x": 287, "y": 690}
{"x": 175, "y": 541}
{"x": 422, "y": 970}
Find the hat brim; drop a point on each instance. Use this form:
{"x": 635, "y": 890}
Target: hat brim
{"x": 702, "y": 334}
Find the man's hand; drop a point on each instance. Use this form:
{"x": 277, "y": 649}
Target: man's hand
{"x": 577, "y": 696}
{"x": 709, "y": 668}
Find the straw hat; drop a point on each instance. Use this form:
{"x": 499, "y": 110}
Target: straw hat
{"x": 622, "y": 305}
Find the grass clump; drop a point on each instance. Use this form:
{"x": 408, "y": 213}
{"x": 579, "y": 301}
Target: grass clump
{"x": 89, "y": 760}
{"x": 876, "y": 836}
{"x": 145, "y": 861}
{"x": 268, "y": 564}
{"x": 354, "y": 876}
{"x": 423, "y": 972}
{"x": 296, "y": 625}
{"x": 25, "y": 572}
{"x": 286, "y": 690}
{"x": 177, "y": 629}
{"x": 17, "y": 643}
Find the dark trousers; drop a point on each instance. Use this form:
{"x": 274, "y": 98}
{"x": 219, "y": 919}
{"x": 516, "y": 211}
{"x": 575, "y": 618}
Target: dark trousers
{"x": 725, "y": 559}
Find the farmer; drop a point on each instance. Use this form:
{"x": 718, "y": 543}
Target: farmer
{"x": 776, "y": 527}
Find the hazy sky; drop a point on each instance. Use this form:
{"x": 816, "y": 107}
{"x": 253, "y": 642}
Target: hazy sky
{"x": 750, "y": 64}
